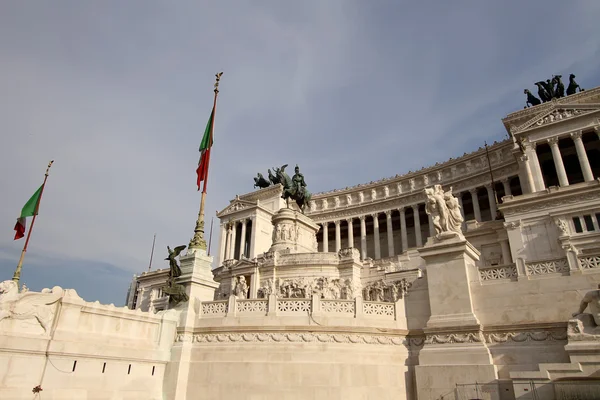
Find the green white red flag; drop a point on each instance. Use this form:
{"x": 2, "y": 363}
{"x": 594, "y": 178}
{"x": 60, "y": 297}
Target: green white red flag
{"x": 29, "y": 209}
{"x": 205, "y": 145}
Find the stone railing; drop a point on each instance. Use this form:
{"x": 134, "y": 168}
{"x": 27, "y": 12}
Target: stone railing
{"x": 274, "y": 306}
{"x": 589, "y": 262}
{"x": 498, "y": 272}
{"x": 559, "y": 265}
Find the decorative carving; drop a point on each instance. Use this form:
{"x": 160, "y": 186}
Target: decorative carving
{"x": 373, "y": 194}
{"x": 324, "y": 204}
{"x": 562, "y": 226}
{"x": 267, "y": 288}
{"x": 349, "y": 199}
{"x": 296, "y": 337}
{"x": 583, "y": 328}
{"x": 250, "y": 306}
{"x": 381, "y": 291}
{"x": 526, "y": 336}
{"x": 214, "y": 307}
{"x": 386, "y": 192}
{"x": 336, "y": 201}
{"x": 361, "y": 197}
{"x": 504, "y": 272}
{"x": 448, "y": 338}
{"x": 547, "y": 267}
{"x": 28, "y": 305}
{"x": 349, "y": 252}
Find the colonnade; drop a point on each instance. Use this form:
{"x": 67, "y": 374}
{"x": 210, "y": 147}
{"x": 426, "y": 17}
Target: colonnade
{"x": 410, "y": 236}
{"x": 533, "y": 170}
{"x": 236, "y": 239}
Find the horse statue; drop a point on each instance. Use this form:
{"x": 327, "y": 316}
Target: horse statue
{"x": 261, "y": 182}
{"x": 572, "y": 88}
{"x": 28, "y": 305}
{"x": 294, "y": 188}
{"x": 531, "y": 99}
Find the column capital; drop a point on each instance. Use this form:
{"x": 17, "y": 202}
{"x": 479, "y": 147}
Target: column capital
{"x": 349, "y": 221}
{"x": 324, "y": 224}
{"x": 402, "y": 210}
{"x": 597, "y": 129}
{"x": 375, "y": 215}
{"x": 362, "y": 218}
{"x": 388, "y": 213}
{"x": 576, "y": 135}
{"x": 473, "y": 191}
{"x": 488, "y": 186}
{"x": 415, "y": 207}
{"x": 505, "y": 179}
{"x": 553, "y": 141}
{"x": 337, "y": 223}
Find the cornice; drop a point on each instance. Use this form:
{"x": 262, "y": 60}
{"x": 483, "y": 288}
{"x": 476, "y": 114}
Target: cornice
{"x": 416, "y": 174}
{"x": 551, "y": 197}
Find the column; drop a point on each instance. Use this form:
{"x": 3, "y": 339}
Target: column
{"x": 528, "y": 174}
{"x": 417, "y": 225}
{"x": 228, "y": 246}
{"x": 254, "y": 220}
{"x": 325, "y": 238}
{"x": 233, "y": 237}
{"x": 506, "y": 257}
{"x": 475, "y": 200}
{"x": 222, "y": 243}
{"x": 338, "y": 236}
{"x": 536, "y": 170}
{"x": 582, "y": 155}
{"x": 243, "y": 239}
{"x": 403, "y": 229}
{"x": 363, "y": 237}
{"x": 376, "y": 236}
{"x": 350, "y": 233}
{"x": 491, "y": 200}
{"x": 460, "y": 203}
{"x": 390, "y": 234}
{"x": 558, "y": 162}
{"x": 506, "y": 185}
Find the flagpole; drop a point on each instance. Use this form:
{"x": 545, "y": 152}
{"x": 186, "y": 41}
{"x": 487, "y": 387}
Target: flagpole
{"x": 210, "y": 236}
{"x": 198, "y": 241}
{"x": 152, "y": 253}
{"x": 17, "y": 275}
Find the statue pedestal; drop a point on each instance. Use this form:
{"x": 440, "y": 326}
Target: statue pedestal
{"x": 196, "y": 277}
{"x": 294, "y": 232}
{"x": 454, "y": 350}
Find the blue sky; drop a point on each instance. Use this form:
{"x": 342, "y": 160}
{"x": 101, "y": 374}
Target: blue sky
{"x": 118, "y": 94}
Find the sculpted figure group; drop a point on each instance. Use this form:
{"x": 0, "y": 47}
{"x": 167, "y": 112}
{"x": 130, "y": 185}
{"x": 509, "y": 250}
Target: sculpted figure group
{"x": 294, "y": 187}
{"x": 444, "y": 210}
{"x": 175, "y": 291}
{"x": 551, "y": 89}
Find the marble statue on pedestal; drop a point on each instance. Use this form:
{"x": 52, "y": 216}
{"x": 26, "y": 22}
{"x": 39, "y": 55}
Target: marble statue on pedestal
{"x": 444, "y": 210}
{"x": 241, "y": 288}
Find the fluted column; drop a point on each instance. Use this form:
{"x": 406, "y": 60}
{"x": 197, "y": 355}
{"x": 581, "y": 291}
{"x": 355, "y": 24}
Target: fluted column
{"x": 528, "y": 174}
{"x": 363, "y": 237}
{"x": 403, "y": 232}
{"x": 558, "y": 162}
{"x": 491, "y": 200}
{"x": 506, "y": 256}
{"x": 417, "y": 221}
{"x": 243, "y": 238}
{"x": 582, "y": 155}
{"x": 325, "y": 225}
{"x": 390, "y": 234}
{"x": 338, "y": 236}
{"x": 223, "y": 242}
{"x": 536, "y": 170}
{"x": 475, "y": 200}
{"x": 228, "y": 246}
{"x": 350, "y": 233}
{"x": 233, "y": 238}
{"x": 251, "y": 249}
{"x": 376, "y": 236}
{"x": 506, "y": 185}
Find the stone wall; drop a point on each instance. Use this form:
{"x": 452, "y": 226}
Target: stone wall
{"x": 88, "y": 351}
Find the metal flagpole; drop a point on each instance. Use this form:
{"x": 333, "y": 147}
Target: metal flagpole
{"x": 17, "y": 275}
{"x": 198, "y": 241}
{"x": 487, "y": 153}
{"x": 212, "y": 219}
{"x": 152, "y": 253}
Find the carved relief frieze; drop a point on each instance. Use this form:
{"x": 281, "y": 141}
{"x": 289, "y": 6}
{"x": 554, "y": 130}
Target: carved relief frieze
{"x": 386, "y": 291}
{"x": 298, "y": 337}
{"x": 452, "y": 338}
{"x": 526, "y": 336}
{"x": 549, "y": 202}
{"x": 323, "y": 287}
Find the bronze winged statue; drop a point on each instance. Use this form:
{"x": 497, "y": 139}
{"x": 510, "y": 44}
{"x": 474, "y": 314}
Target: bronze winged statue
{"x": 175, "y": 291}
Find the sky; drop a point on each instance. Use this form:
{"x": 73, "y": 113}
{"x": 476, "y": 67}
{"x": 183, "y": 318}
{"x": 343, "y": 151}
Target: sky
{"x": 118, "y": 95}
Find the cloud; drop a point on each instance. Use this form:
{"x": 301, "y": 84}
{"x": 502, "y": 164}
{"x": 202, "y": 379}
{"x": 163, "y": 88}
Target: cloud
{"x": 119, "y": 94}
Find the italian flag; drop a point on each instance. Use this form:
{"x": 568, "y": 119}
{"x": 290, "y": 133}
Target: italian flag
{"x": 29, "y": 209}
{"x": 205, "y": 145}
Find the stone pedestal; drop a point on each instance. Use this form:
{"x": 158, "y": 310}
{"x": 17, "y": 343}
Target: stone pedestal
{"x": 197, "y": 278}
{"x": 294, "y": 232}
{"x": 454, "y": 351}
